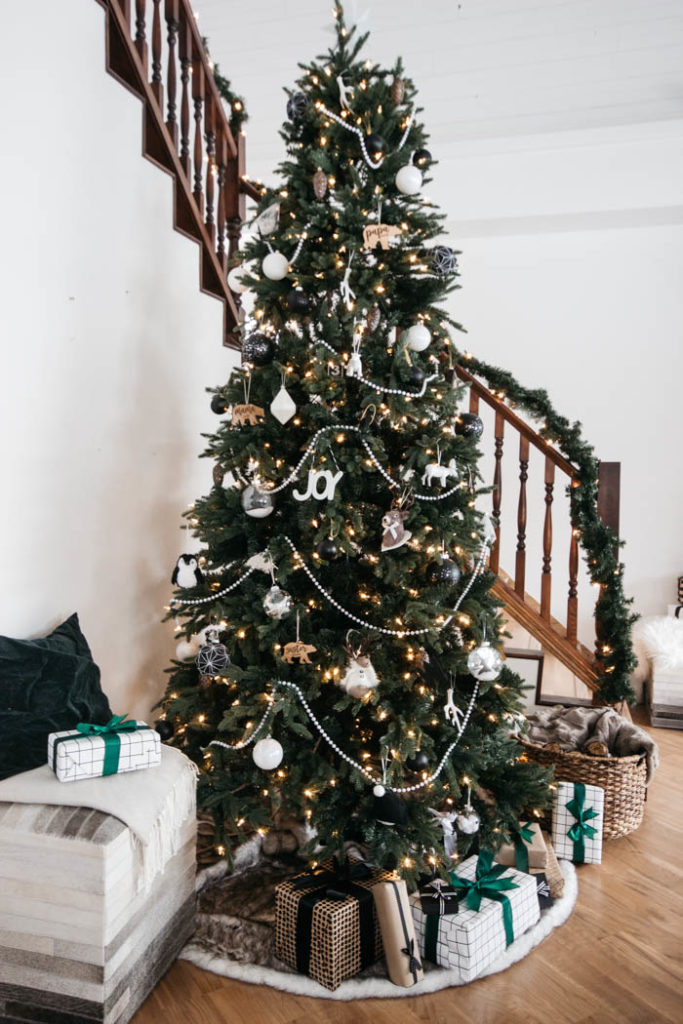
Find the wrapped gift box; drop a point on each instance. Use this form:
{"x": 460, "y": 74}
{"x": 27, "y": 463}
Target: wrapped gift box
{"x": 527, "y": 850}
{"x": 437, "y": 897}
{"x": 93, "y": 750}
{"x": 471, "y": 939}
{"x": 398, "y": 932}
{"x": 326, "y": 923}
{"x": 577, "y": 822}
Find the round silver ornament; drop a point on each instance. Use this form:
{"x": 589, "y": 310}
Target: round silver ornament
{"x": 212, "y": 658}
{"x": 267, "y": 754}
{"x": 409, "y": 180}
{"x": 277, "y": 603}
{"x": 256, "y": 502}
{"x": 419, "y": 337}
{"x": 275, "y": 266}
{"x": 485, "y": 663}
{"x": 468, "y": 821}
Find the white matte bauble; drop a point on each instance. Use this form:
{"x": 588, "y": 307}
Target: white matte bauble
{"x": 409, "y": 180}
{"x": 186, "y": 649}
{"x": 283, "y": 406}
{"x": 268, "y": 754}
{"x": 235, "y": 282}
{"x": 275, "y": 266}
{"x": 468, "y": 821}
{"x": 485, "y": 663}
{"x": 419, "y": 337}
{"x": 256, "y": 502}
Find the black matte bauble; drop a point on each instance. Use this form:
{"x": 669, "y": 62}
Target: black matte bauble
{"x": 218, "y": 405}
{"x": 443, "y": 571}
{"x": 468, "y": 424}
{"x": 258, "y": 349}
{"x": 416, "y": 376}
{"x": 297, "y": 300}
{"x": 164, "y": 728}
{"x": 374, "y": 145}
{"x": 327, "y": 549}
{"x": 389, "y": 809}
{"x": 422, "y": 157}
{"x": 296, "y": 106}
{"x": 419, "y": 762}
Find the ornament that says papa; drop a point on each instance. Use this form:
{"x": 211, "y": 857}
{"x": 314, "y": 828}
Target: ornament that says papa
{"x": 250, "y": 414}
{"x": 379, "y": 234}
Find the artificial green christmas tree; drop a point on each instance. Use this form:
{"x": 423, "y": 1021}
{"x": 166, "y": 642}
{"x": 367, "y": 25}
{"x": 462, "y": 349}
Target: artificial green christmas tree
{"x": 350, "y": 640}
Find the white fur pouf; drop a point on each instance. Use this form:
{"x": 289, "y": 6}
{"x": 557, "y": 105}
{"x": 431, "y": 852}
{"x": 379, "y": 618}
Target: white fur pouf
{"x": 382, "y": 988}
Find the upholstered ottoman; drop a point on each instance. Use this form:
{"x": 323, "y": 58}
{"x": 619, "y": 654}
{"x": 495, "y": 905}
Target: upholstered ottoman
{"x": 85, "y": 932}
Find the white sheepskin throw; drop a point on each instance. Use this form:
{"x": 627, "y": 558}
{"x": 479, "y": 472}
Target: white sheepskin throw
{"x": 662, "y": 638}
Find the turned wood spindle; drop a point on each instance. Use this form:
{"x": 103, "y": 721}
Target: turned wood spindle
{"x": 221, "y": 163}
{"x": 157, "y": 86}
{"x": 140, "y": 36}
{"x": 546, "y": 575}
{"x": 171, "y": 81}
{"x": 520, "y": 557}
{"x": 573, "y": 599}
{"x": 198, "y": 155}
{"x": 210, "y": 140}
{"x": 185, "y": 67}
{"x": 497, "y": 497}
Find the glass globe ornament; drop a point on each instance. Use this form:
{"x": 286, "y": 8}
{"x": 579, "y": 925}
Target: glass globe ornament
{"x": 485, "y": 663}
{"x": 267, "y": 754}
{"x": 256, "y": 502}
{"x": 277, "y": 603}
{"x": 468, "y": 821}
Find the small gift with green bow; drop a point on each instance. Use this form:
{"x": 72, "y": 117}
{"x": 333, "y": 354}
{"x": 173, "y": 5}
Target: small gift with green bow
{"x": 526, "y": 849}
{"x": 577, "y": 822}
{"x": 497, "y": 905}
{"x": 89, "y": 751}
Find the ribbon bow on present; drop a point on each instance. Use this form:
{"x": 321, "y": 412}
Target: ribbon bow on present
{"x": 440, "y": 892}
{"x": 414, "y": 964}
{"x": 581, "y": 828}
{"x": 117, "y": 723}
{"x": 521, "y": 835}
{"x": 488, "y": 884}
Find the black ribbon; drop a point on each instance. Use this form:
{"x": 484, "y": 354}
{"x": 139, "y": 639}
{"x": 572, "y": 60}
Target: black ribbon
{"x": 336, "y": 884}
{"x": 414, "y": 964}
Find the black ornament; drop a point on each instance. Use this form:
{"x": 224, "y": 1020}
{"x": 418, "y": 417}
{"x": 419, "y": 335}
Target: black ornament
{"x": 327, "y": 549}
{"x": 444, "y": 260}
{"x": 218, "y": 405}
{"x": 443, "y": 571}
{"x": 296, "y": 106}
{"x": 422, "y": 157}
{"x": 258, "y": 349}
{"x": 388, "y": 808}
{"x": 419, "y": 762}
{"x": 374, "y": 145}
{"x": 468, "y": 424}
{"x": 416, "y": 376}
{"x": 212, "y": 658}
{"x": 297, "y": 300}
{"x": 164, "y": 728}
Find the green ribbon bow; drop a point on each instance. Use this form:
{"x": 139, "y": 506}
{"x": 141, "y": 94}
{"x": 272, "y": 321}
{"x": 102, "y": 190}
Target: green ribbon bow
{"x": 520, "y": 837}
{"x": 580, "y": 828}
{"x": 487, "y": 884}
{"x": 109, "y": 733}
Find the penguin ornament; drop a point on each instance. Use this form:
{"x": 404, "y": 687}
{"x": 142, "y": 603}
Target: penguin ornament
{"x": 187, "y": 573}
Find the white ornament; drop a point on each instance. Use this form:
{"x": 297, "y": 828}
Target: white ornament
{"x": 360, "y": 677}
{"x": 488, "y": 528}
{"x": 275, "y": 266}
{"x": 267, "y": 754}
{"x": 354, "y": 367}
{"x": 409, "y": 180}
{"x": 468, "y": 821}
{"x": 256, "y": 502}
{"x": 485, "y": 663}
{"x": 435, "y": 471}
{"x": 344, "y": 91}
{"x": 316, "y": 477}
{"x": 451, "y": 711}
{"x": 267, "y": 221}
{"x": 419, "y": 337}
{"x": 186, "y": 649}
{"x": 235, "y": 278}
{"x": 262, "y": 561}
{"x": 283, "y": 406}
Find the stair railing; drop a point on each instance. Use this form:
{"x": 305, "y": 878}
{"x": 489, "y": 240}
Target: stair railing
{"x": 156, "y": 51}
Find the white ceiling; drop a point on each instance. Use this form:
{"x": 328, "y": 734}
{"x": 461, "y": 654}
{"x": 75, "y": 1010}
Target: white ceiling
{"x": 485, "y": 69}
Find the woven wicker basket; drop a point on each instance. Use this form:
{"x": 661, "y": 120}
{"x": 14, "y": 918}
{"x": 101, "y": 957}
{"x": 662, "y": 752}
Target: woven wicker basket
{"x": 622, "y": 778}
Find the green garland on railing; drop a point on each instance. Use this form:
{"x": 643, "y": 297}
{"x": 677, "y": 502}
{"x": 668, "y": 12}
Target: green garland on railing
{"x": 238, "y": 112}
{"x": 613, "y": 620}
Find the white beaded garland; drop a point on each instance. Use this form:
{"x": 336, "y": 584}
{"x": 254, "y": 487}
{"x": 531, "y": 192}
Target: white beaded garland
{"x": 380, "y": 387}
{"x": 214, "y": 597}
{"x": 372, "y": 164}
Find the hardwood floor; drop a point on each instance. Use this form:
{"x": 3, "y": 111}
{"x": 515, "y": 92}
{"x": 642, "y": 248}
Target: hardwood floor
{"x": 618, "y": 958}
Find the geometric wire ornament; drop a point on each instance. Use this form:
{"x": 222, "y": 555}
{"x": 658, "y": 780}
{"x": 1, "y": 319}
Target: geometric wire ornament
{"x": 212, "y": 658}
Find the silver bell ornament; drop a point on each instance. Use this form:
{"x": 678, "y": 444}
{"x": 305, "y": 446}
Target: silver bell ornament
{"x": 485, "y": 663}
{"x": 256, "y": 502}
{"x": 275, "y": 266}
{"x": 409, "y": 180}
{"x": 267, "y": 754}
{"x": 277, "y": 603}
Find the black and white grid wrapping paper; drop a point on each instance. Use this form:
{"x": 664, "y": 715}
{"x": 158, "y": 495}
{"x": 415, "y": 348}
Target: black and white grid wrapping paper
{"x": 471, "y": 939}
{"x": 82, "y": 757}
{"x": 564, "y": 820}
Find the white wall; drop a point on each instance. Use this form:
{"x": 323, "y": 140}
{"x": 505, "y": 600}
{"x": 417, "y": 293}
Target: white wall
{"x": 108, "y": 346}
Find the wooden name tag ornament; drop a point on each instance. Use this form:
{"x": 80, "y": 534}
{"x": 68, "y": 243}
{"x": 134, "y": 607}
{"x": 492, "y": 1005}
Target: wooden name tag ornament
{"x": 248, "y": 413}
{"x": 379, "y": 234}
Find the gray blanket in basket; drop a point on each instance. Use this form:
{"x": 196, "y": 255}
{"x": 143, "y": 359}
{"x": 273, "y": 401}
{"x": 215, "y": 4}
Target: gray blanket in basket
{"x": 575, "y": 728}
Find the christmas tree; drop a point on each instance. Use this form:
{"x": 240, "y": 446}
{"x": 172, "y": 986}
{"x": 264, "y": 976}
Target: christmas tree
{"x": 350, "y": 672}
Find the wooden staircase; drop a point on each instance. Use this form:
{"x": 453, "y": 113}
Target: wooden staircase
{"x": 206, "y": 161}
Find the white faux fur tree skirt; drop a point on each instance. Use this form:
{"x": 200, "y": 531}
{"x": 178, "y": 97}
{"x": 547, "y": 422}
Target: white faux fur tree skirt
{"x": 376, "y": 988}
